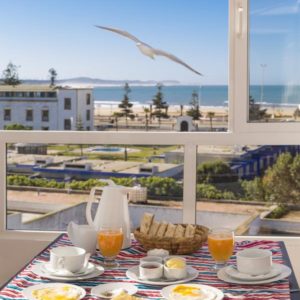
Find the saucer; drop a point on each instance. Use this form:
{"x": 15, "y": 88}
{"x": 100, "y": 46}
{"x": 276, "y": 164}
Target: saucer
{"x": 39, "y": 270}
{"x": 211, "y": 293}
{"x": 108, "y": 290}
{"x": 285, "y": 272}
{"x": 234, "y": 273}
{"x": 65, "y": 273}
{"x": 134, "y": 274}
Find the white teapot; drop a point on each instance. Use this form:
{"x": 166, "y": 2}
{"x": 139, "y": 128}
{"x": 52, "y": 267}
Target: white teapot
{"x": 111, "y": 211}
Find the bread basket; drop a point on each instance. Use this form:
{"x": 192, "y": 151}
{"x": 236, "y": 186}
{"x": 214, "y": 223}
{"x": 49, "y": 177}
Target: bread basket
{"x": 178, "y": 246}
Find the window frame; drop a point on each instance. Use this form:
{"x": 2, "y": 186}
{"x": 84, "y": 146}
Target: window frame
{"x": 240, "y": 132}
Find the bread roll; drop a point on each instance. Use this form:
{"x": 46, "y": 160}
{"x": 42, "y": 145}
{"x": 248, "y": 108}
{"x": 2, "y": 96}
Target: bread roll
{"x": 154, "y": 228}
{"x": 179, "y": 231}
{"x": 190, "y": 231}
{"x": 146, "y": 222}
{"x": 162, "y": 229}
{"x": 170, "y": 230}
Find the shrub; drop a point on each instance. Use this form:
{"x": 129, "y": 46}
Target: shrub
{"x": 215, "y": 172}
{"x": 208, "y": 191}
{"x": 278, "y": 212}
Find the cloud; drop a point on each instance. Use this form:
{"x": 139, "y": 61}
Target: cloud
{"x": 291, "y": 9}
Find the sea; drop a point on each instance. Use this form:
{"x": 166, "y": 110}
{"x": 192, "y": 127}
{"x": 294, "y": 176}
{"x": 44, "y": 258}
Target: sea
{"x": 210, "y": 95}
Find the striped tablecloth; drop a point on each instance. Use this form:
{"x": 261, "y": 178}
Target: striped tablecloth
{"x": 130, "y": 257}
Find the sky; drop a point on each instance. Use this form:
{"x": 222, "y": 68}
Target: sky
{"x": 60, "y": 34}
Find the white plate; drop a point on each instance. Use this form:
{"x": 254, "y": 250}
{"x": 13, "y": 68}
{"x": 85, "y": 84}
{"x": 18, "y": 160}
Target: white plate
{"x": 133, "y": 274}
{"x": 65, "y": 273}
{"x": 38, "y": 270}
{"x": 213, "y": 293}
{"x": 234, "y": 273}
{"x": 28, "y": 291}
{"x": 101, "y": 289}
{"x": 285, "y": 272}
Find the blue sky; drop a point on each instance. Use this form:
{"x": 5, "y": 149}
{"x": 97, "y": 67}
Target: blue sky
{"x": 38, "y": 35}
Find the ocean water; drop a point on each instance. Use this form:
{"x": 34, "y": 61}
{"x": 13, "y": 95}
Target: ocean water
{"x": 273, "y": 95}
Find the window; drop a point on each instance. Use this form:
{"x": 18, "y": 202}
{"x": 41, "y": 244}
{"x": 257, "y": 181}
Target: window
{"x": 7, "y": 114}
{"x": 45, "y": 115}
{"x": 152, "y": 183}
{"x": 88, "y": 128}
{"x": 29, "y": 115}
{"x": 274, "y": 89}
{"x": 88, "y": 115}
{"x": 45, "y": 128}
{"x": 67, "y": 103}
{"x": 217, "y": 121}
{"x": 88, "y": 99}
{"x": 67, "y": 124}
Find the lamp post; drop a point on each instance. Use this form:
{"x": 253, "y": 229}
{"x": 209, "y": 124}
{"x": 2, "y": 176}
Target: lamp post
{"x": 263, "y": 67}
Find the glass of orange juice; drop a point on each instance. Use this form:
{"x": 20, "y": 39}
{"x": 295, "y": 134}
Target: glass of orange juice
{"x": 220, "y": 245}
{"x": 110, "y": 240}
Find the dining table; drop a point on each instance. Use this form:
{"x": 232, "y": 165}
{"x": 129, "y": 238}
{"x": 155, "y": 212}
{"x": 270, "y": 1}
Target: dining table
{"x": 285, "y": 289}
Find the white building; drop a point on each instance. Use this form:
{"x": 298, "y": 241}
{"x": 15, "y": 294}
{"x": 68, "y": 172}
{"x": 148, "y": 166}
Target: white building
{"x": 46, "y": 108}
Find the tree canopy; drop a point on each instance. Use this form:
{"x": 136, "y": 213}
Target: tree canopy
{"x": 161, "y": 106}
{"x": 10, "y": 75}
{"x": 126, "y": 105}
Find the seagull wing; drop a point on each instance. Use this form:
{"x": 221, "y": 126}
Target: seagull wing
{"x": 121, "y": 32}
{"x": 174, "y": 58}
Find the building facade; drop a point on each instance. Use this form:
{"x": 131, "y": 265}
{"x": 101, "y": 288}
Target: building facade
{"x": 41, "y": 107}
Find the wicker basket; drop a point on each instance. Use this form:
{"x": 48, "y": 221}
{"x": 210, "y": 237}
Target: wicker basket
{"x": 174, "y": 245}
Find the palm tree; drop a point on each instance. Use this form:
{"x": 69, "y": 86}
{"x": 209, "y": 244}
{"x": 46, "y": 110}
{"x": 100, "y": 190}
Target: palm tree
{"x": 146, "y": 111}
{"x": 53, "y": 75}
{"x": 210, "y": 115}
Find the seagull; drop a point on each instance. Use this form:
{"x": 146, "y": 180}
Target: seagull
{"x": 147, "y": 49}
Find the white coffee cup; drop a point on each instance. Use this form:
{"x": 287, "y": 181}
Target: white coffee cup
{"x": 151, "y": 270}
{"x": 254, "y": 261}
{"x": 83, "y": 236}
{"x": 72, "y": 259}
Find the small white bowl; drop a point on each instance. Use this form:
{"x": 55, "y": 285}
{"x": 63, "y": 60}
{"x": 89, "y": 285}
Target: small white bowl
{"x": 158, "y": 252}
{"x": 151, "y": 259}
{"x": 254, "y": 261}
{"x": 151, "y": 270}
{"x": 175, "y": 273}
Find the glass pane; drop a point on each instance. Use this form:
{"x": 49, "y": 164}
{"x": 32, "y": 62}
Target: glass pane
{"x": 92, "y": 76}
{"x": 49, "y": 185}
{"x": 274, "y": 61}
{"x": 250, "y": 189}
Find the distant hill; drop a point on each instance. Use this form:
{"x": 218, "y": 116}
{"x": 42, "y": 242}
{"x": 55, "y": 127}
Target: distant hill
{"x": 96, "y": 81}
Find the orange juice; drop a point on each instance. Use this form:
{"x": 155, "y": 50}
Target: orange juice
{"x": 110, "y": 242}
{"x": 220, "y": 246}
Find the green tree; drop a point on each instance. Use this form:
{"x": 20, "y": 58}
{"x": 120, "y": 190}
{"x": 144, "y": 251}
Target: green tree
{"x": 161, "y": 106}
{"x": 10, "y": 75}
{"x": 116, "y": 116}
{"x": 52, "y": 75}
{"x": 254, "y": 189}
{"x": 210, "y": 115}
{"x": 215, "y": 172}
{"x": 278, "y": 181}
{"x": 296, "y": 113}
{"x": 147, "y": 112}
{"x": 194, "y": 110}
{"x": 255, "y": 111}
{"x": 126, "y": 105}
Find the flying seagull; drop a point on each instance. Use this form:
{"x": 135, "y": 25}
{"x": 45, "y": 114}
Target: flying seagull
{"x": 147, "y": 49}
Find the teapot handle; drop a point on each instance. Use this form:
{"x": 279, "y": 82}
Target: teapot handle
{"x": 88, "y": 210}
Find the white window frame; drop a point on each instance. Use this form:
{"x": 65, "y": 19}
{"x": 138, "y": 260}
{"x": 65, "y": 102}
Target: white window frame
{"x": 240, "y": 132}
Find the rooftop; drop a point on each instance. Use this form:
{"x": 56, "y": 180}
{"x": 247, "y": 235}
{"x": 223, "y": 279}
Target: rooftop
{"x": 41, "y": 88}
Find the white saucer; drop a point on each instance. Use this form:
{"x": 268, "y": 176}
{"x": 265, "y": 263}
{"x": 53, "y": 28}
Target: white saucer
{"x": 133, "y": 274}
{"x": 38, "y": 269}
{"x": 234, "y": 273}
{"x": 285, "y": 272}
{"x": 28, "y": 291}
{"x": 103, "y": 290}
{"x": 65, "y": 273}
{"x": 212, "y": 293}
